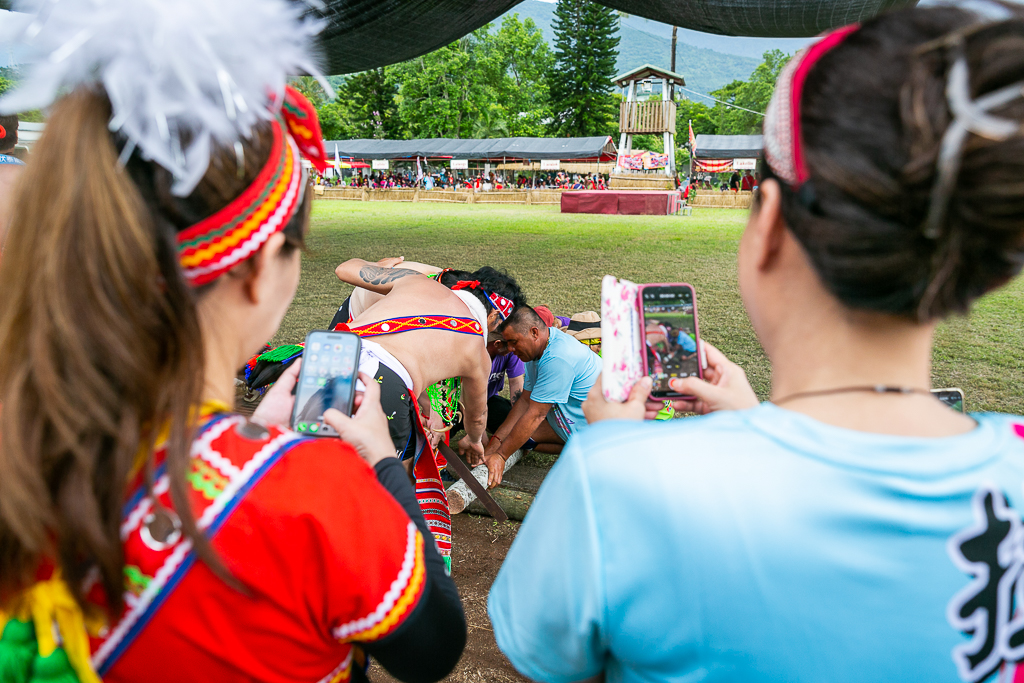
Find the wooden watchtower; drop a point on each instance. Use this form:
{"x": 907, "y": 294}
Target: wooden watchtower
{"x": 646, "y": 117}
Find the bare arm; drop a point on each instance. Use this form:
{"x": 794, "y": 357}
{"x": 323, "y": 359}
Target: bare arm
{"x": 498, "y": 452}
{"x": 514, "y": 415}
{"x": 372, "y": 276}
{"x": 533, "y": 414}
{"x": 474, "y": 393}
{"x": 515, "y": 387}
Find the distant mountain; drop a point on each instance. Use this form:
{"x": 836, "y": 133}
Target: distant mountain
{"x": 706, "y": 61}
{"x": 729, "y": 45}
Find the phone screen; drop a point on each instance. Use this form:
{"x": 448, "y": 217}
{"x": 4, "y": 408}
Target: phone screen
{"x": 670, "y": 331}
{"x": 330, "y": 364}
{"x": 954, "y": 398}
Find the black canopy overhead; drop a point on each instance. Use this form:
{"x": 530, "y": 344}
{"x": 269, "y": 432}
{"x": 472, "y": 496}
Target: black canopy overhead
{"x": 730, "y": 147}
{"x": 365, "y": 34}
{"x": 598, "y": 148}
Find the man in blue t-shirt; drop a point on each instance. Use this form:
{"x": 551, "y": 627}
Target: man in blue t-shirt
{"x": 559, "y": 372}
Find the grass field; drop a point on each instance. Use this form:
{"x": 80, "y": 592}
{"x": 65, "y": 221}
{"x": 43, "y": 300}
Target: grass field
{"x": 560, "y": 259}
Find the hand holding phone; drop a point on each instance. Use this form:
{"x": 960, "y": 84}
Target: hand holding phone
{"x": 668, "y": 319}
{"x": 327, "y": 380}
{"x": 723, "y": 387}
{"x": 367, "y": 429}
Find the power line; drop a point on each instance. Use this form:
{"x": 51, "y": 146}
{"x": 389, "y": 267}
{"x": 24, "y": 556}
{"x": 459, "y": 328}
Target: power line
{"x": 734, "y": 106}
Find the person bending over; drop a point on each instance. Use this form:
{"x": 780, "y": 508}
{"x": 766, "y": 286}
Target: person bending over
{"x": 559, "y": 373}
{"x": 854, "y": 527}
{"x": 150, "y": 533}
{"x": 420, "y": 333}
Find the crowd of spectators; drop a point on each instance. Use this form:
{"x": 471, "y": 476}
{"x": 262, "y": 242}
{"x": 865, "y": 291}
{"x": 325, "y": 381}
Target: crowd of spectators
{"x": 453, "y": 180}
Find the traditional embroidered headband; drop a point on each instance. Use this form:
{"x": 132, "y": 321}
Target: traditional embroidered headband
{"x": 502, "y": 305}
{"x": 783, "y": 145}
{"x": 216, "y": 244}
{"x": 499, "y": 303}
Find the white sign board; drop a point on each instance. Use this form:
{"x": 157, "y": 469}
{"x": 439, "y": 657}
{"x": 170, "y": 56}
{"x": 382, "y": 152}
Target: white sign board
{"x": 460, "y": 163}
{"x": 379, "y": 164}
{"x": 744, "y": 164}
{"x": 550, "y": 164}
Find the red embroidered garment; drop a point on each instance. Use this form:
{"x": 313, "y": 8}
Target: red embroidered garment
{"x": 327, "y": 556}
{"x": 414, "y": 322}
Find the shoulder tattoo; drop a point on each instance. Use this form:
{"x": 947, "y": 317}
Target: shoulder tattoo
{"x": 375, "y": 275}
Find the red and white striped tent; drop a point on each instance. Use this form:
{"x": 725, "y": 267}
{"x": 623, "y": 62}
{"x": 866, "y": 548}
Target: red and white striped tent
{"x": 720, "y": 153}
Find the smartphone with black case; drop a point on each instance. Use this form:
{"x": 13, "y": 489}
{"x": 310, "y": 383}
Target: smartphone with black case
{"x": 952, "y": 397}
{"x": 330, "y": 366}
{"x": 671, "y": 336}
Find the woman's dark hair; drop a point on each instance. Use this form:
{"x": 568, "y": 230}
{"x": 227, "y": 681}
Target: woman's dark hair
{"x": 491, "y": 280}
{"x": 101, "y": 343}
{"x": 873, "y": 115}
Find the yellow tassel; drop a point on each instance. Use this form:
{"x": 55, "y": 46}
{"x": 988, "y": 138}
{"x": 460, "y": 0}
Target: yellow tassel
{"x": 55, "y": 614}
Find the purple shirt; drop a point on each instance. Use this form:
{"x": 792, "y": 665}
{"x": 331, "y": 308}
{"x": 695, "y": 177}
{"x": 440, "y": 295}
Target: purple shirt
{"x": 509, "y": 363}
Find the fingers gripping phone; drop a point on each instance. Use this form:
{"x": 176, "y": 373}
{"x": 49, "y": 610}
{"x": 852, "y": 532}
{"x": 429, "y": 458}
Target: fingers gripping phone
{"x": 671, "y": 337}
{"x": 327, "y": 379}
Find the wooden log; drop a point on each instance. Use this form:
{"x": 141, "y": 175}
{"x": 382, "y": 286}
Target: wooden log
{"x": 515, "y": 503}
{"x": 459, "y": 495}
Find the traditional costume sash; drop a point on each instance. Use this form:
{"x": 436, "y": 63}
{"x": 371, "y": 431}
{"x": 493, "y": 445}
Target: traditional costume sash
{"x": 429, "y": 488}
{"x": 218, "y": 485}
{"x": 418, "y": 322}
{"x": 430, "y": 491}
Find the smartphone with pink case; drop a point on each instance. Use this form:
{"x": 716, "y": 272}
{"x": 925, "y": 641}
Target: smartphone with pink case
{"x": 671, "y": 335}
{"x": 621, "y": 338}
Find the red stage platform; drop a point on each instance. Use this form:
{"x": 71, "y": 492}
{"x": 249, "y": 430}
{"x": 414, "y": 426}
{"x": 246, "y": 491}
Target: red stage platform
{"x": 627, "y": 202}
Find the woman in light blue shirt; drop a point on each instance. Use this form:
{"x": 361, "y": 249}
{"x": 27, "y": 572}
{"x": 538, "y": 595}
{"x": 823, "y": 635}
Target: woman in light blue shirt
{"x": 854, "y": 528}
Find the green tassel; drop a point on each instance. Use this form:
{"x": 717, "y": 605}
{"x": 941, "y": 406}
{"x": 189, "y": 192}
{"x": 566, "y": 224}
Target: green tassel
{"x": 280, "y": 353}
{"x": 53, "y": 669}
{"x": 447, "y": 565}
{"x": 17, "y": 650}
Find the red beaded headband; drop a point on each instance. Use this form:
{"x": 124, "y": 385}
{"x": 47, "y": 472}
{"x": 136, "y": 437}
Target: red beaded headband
{"x": 216, "y": 244}
{"x": 783, "y": 146}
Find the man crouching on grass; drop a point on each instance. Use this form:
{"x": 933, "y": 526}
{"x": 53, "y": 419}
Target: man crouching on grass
{"x": 559, "y": 372}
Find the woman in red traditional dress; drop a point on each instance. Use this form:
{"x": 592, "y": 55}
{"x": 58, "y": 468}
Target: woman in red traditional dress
{"x": 146, "y": 531}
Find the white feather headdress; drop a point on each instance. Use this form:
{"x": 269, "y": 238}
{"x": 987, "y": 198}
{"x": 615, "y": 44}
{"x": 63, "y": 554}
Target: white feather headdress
{"x": 213, "y": 68}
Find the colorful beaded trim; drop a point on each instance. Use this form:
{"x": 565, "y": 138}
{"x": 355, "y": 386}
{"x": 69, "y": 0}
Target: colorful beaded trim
{"x": 417, "y": 322}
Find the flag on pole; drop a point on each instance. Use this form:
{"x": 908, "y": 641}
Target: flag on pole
{"x": 337, "y": 159}
{"x": 693, "y": 141}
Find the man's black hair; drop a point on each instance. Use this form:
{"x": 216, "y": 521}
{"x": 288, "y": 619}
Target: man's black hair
{"x": 10, "y": 124}
{"x": 523, "y": 318}
{"x": 491, "y": 280}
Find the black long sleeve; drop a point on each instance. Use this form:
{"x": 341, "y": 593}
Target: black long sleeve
{"x": 428, "y": 645}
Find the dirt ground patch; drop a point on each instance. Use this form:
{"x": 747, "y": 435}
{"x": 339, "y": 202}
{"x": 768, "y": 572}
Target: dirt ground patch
{"x": 479, "y": 545}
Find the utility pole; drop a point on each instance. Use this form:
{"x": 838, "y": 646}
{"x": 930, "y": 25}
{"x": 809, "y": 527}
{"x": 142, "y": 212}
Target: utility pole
{"x": 672, "y": 91}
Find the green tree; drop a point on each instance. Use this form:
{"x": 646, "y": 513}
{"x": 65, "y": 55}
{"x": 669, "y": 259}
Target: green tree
{"x": 5, "y": 84}
{"x": 311, "y": 88}
{"x": 491, "y": 125}
{"x": 516, "y": 63}
{"x": 752, "y": 94}
{"x": 443, "y": 93}
{"x": 365, "y": 107}
{"x": 586, "y": 47}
